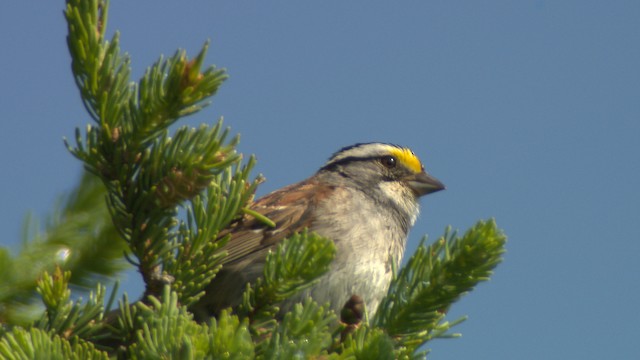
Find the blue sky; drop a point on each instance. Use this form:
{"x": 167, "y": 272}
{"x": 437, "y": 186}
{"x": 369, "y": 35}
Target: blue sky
{"x": 528, "y": 111}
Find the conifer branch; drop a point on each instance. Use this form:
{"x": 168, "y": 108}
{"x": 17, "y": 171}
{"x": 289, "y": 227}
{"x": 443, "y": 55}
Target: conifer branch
{"x": 146, "y": 172}
{"x": 174, "y": 88}
{"x": 21, "y": 344}
{"x": 295, "y": 265}
{"x": 435, "y": 277}
{"x": 79, "y": 237}
{"x": 368, "y": 343}
{"x": 165, "y": 329}
{"x": 304, "y": 330}
{"x": 66, "y": 318}
{"x": 100, "y": 71}
{"x": 230, "y": 338}
{"x": 197, "y": 259}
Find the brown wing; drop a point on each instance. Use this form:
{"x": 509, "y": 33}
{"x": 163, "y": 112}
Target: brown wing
{"x": 290, "y": 208}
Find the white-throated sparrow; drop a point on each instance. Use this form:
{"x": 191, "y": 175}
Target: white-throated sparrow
{"x": 365, "y": 198}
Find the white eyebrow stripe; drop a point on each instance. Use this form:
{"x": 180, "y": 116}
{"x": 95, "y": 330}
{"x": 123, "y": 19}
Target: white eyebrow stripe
{"x": 362, "y": 151}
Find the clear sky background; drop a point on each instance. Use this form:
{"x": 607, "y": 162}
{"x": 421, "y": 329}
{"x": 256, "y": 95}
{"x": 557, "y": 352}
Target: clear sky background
{"x": 529, "y": 112}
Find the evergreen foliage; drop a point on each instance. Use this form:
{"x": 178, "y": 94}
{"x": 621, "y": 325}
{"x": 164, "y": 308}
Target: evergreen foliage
{"x": 295, "y": 265}
{"x": 161, "y": 200}
{"x": 79, "y": 235}
{"x": 36, "y": 344}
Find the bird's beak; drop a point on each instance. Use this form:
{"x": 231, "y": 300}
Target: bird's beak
{"x": 423, "y": 184}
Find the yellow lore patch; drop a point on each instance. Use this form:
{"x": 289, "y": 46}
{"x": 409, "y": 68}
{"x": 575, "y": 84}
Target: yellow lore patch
{"x": 407, "y": 158}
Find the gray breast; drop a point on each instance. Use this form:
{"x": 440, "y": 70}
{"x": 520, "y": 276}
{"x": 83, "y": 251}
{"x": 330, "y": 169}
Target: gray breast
{"x": 368, "y": 241}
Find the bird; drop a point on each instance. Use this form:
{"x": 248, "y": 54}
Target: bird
{"x": 365, "y": 198}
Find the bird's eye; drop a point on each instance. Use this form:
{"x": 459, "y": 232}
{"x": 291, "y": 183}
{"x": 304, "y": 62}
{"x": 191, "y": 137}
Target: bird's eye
{"x": 388, "y": 161}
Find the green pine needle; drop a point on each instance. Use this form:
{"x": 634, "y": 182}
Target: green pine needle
{"x": 295, "y": 265}
{"x": 21, "y": 344}
{"x": 435, "y": 277}
{"x": 302, "y": 333}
